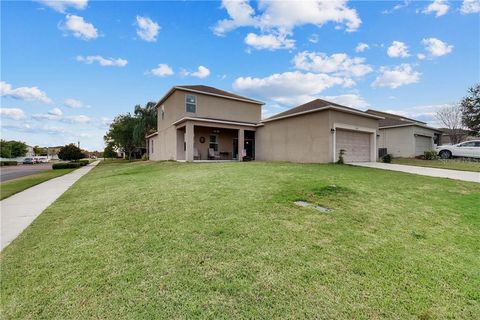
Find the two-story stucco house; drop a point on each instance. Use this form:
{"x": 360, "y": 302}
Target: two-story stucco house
{"x": 198, "y": 122}
{"x": 204, "y": 123}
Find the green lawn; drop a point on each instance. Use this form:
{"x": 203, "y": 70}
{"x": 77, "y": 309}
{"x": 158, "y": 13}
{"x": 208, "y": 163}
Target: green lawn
{"x": 454, "y": 164}
{"x": 11, "y": 187}
{"x": 224, "y": 240}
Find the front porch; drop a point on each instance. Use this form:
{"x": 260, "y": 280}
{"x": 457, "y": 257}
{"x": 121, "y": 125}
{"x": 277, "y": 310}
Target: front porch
{"x": 202, "y": 141}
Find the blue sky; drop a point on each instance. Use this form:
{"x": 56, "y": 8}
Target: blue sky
{"x": 69, "y": 67}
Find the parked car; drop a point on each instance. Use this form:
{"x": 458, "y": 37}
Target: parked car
{"x": 28, "y": 161}
{"x": 42, "y": 160}
{"x": 468, "y": 149}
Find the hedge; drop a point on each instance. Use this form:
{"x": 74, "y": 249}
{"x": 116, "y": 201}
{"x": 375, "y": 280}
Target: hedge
{"x": 66, "y": 165}
{"x": 8, "y": 163}
{"x": 83, "y": 162}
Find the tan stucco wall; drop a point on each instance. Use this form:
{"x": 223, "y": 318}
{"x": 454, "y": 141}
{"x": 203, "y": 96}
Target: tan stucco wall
{"x": 225, "y": 141}
{"x": 304, "y": 138}
{"x": 400, "y": 141}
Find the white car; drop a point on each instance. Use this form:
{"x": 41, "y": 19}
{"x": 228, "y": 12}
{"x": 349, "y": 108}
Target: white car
{"x": 468, "y": 149}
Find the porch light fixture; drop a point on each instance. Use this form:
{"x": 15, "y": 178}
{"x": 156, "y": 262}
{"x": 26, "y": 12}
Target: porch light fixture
{"x": 332, "y": 130}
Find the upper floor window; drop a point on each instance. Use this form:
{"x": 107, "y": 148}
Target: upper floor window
{"x": 163, "y": 112}
{"x": 190, "y": 103}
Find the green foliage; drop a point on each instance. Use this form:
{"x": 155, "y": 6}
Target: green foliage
{"x": 430, "y": 155}
{"x": 66, "y": 165}
{"x": 83, "y": 162}
{"x": 471, "y": 109}
{"x": 146, "y": 122}
{"x": 109, "y": 152}
{"x": 12, "y": 149}
{"x": 387, "y": 158}
{"x": 70, "y": 152}
{"x": 340, "y": 157}
{"x": 121, "y": 133}
{"x": 8, "y": 163}
{"x": 39, "y": 150}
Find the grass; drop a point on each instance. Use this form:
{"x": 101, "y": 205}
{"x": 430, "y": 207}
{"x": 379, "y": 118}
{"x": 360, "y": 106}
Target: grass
{"x": 13, "y": 186}
{"x": 453, "y": 164}
{"x": 224, "y": 240}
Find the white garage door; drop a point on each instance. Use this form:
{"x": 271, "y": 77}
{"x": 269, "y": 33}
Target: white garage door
{"x": 423, "y": 144}
{"x": 356, "y": 145}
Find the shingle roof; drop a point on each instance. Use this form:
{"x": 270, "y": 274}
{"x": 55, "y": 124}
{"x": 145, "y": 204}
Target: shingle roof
{"x": 212, "y": 90}
{"x": 393, "y": 119}
{"x": 310, "y": 106}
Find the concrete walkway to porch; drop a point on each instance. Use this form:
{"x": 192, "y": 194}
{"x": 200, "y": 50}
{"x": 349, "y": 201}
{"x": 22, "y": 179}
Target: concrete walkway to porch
{"x": 19, "y": 210}
{"x": 424, "y": 171}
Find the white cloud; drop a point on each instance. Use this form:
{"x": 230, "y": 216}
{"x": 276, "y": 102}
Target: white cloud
{"x": 73, "y": 103}
{"x": 349, "y": 100}
{"x": 162, "y": 70}
{"x": 470, "y": 6}
{"x": 147, "y": 29}
{"x": 56, "y": 112}
{"x": 439, "y": 7}
{"x": 339, "y": 63}
{"x": 398, "y": 49}
{"x": 63, "y": 5}
{"x": 313, "y": 38}
{"x": 289, "y": 87}
{"x": 202, "y": 72}
{"x": 421, "y": 56}
{"x": 399, "y": 6}
{"x": 281, "y": 17}
{"x": 396, "y": 77}
{"x": 12, "y": 113}
{"x": 362, "y": 47}
{"x": 78, "y": 119}
{"x": 104, "y": 62}
{"x": 425, "y": 113}
{"x": 269, "y": 41}
{"x": 79, "y": 27}
{"x": 23, "y": 93}
{"x": 437, "y": 47}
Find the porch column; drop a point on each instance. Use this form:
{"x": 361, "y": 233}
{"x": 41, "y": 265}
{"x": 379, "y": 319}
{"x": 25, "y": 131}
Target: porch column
{"x": 241, "y": 144}
{"x": 189, "y": 135}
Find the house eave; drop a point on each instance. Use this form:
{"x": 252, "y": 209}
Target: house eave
{"x": 408, "y": 125}
{"x": 246, "y": 124}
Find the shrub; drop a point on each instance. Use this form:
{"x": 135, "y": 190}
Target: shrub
{"x": 430, "y": 155}
{"x": 66, "y": 165}
{"x": 387, "y": 158}
{"x": 340, "y": 157}
{"x": 70, "y": 152}
{"x": 83, "y": 162}
{"x": 8, "y": 163}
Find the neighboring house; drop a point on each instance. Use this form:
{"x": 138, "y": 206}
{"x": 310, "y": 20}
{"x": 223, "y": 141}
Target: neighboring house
{"x": 405, "y": 137}
{"x": 461, "y": 135}
{"x": 205, "y": 123}
{"x": 30, "y": 153}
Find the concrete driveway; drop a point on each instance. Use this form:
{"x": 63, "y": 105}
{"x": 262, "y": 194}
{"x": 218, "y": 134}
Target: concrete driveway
{"x": 22, "y": 170}
{"x": 424, "y": 171}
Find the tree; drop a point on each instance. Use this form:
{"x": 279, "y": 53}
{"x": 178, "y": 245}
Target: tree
{"x": 109, "y": 151}
{"x": 12, "y": 149}
{"x": 450, "y": 117}
{"x": 71, "y": 152}
{"x": 146, "y": 122}
{"x": 471, "y": 109}
{"x": 121, "y": 133}
{"x": 39, "y": 150}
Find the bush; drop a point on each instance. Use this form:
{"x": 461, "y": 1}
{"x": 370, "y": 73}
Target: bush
{"x": 83, "y": 162}
{"x": 8, "y": 163}
{"x": 430, "y": 155}
{"x": 340, "y": 157}
{"x": 66, "y": 165}
{"x": 70, "y": 152}
{"x": 387, "y": 158}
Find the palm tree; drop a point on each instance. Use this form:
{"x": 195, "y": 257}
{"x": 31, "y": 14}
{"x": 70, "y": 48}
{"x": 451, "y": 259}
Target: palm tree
{"x": 146, "y": 122}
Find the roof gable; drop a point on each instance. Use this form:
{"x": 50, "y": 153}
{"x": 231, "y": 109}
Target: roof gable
{"x": 393, "y": 119}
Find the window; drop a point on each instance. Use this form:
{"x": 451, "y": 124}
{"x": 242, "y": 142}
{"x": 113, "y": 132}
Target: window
{"x": 213, "y": 142}
{"x": 190, "y": 103}
{"x": 468, "y": 144}
{"x": 163, "y": 112}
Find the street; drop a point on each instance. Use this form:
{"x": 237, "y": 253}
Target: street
{"x": 13, "y": 172}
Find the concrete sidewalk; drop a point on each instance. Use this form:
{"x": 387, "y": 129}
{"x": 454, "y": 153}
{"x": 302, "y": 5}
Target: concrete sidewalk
{"x": 424, "y": 171}
{"x": 19, "y": 210}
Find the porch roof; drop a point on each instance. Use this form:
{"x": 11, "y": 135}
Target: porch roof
{"x": 218, "y": 122}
